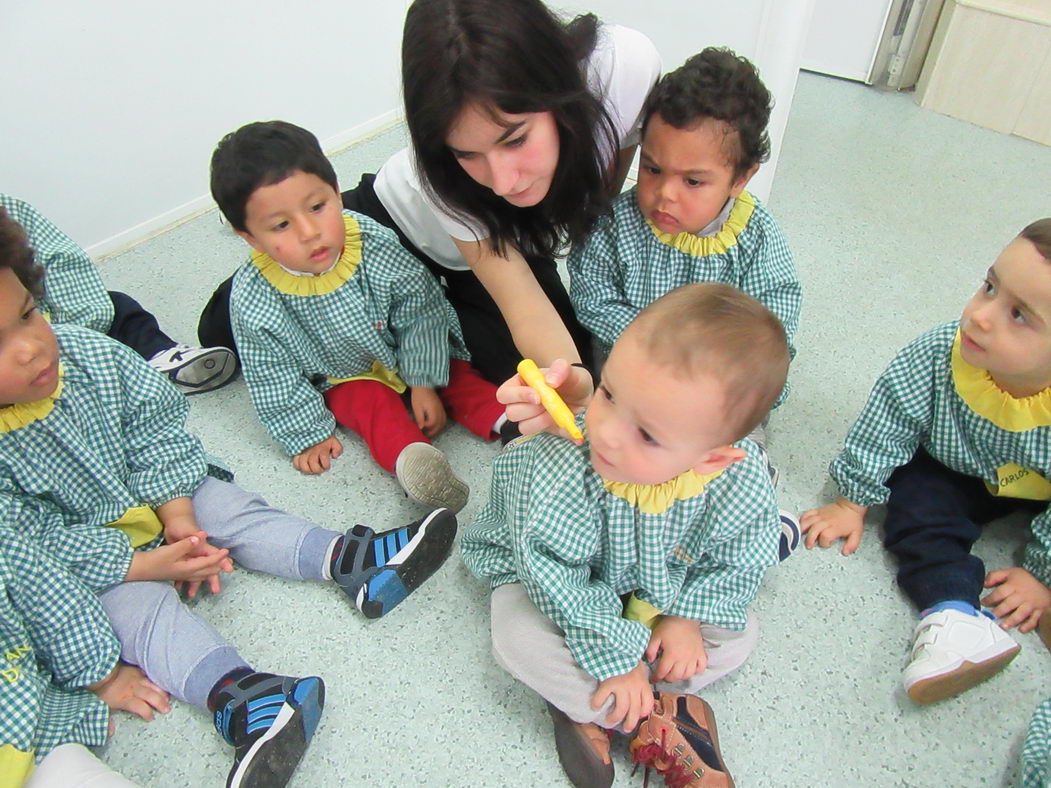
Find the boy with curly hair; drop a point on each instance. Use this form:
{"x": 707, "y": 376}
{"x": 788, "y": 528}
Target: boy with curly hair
{"x": 689, "y": 219}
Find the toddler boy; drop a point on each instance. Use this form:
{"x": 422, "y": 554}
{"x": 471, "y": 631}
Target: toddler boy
{"x": 667, "y": 502}
{"x": 92, "y": 444}
{"x": 689, "y": 219}
{"x": 334, "y": 320}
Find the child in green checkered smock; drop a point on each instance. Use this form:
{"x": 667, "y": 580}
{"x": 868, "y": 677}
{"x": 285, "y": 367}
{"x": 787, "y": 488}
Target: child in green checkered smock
{"x": 1036, "y": 753}
{"x": 689, "y": 219}
{"x": 98, "y": 471}
{"x": 74, "y": 293}
{"x": 957, "y": 431}
{"x": 665, "y": 504}
{"x": 55, "y": 642}
{"x": 334, "y": 320}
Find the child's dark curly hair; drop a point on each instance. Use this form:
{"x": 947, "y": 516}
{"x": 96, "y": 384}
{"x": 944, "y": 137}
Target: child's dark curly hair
{"x": 16, "y": 254}
{"x": 719, "y": 84}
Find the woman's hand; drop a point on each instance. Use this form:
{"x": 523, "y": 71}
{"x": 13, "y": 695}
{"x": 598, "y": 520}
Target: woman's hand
{"x": 573, "y": 384}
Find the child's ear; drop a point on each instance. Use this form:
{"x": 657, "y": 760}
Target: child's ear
{"x": 741, "y": 182}
{"x": 249, "y": 239}
{"x": 719, "y": 459}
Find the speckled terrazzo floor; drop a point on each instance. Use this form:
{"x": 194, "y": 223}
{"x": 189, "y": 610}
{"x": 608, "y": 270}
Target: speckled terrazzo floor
{"x": 893, "y": 213}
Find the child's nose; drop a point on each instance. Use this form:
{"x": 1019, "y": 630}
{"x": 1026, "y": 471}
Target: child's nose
{"x": 28, "y": 348}
{"x": 307, "y": 228}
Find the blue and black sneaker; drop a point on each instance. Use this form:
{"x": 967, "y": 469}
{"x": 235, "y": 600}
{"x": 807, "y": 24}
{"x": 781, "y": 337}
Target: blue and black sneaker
{"x": 378, "y": 570}
{"x": 791, "y": 534}
{"x": 269, "y": 720}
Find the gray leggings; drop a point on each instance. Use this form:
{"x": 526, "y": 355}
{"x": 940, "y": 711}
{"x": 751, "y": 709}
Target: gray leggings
{"x": 180, "y": 652}
{"x": 532, "y": 648}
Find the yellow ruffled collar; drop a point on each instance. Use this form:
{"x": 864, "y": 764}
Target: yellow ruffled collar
{"x": 20, "y": 414}
{"x": 658, "y": 498}
{"x": 977, "y": 388}
{"x": 322, "y": 284}
{"x": 727, "y": 236}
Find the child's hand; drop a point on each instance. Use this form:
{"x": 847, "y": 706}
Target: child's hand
{"x": 840, "y": 520}
{"x": 128, "y": 689}
{"x": 679, "y": 642}
{"x": 318, "y": 458}
{"x": 573, "y": 384}
{"x": 427, "y": 410}
{"x": 180, "y": 561}
{"x": 1019, "y": 596}
{"x": 201, "y": 548}
{"x": 632, "y": 696}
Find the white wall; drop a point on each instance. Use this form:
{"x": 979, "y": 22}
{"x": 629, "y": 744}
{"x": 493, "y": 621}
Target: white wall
{"x": 770, "y": 33}
{"x": 111, "y": 108}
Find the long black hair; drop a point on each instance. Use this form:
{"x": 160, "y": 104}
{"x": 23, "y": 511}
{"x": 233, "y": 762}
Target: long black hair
{"x": 518, "y": 57}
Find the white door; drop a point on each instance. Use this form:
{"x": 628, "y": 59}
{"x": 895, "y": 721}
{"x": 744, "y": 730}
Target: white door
{"x": 844, "y": 36}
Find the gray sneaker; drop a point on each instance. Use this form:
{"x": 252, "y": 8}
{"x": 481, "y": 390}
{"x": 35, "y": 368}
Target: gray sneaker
{"x": 196, "y": 369}
{"x": 426, "y": 476}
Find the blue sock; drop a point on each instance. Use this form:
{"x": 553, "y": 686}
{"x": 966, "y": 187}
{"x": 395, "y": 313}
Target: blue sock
{"x": 951, "y": 604}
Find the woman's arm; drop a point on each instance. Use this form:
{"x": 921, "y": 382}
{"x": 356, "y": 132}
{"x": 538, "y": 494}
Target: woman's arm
{"x": 536, "y": 327}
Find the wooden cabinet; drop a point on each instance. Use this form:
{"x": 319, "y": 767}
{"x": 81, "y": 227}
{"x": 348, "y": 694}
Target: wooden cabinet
{"x": 990, "y": 64}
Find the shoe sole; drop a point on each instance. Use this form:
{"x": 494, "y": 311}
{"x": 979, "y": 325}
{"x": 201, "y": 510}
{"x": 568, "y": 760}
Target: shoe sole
{"x": 969, "y": 674}
{"x": 207, "y": 372}
{"x": 580, "y": 763}
{"x": 425, "y": 475}
{"x": 272, "y": 759}
{"x": 410, "y": 567}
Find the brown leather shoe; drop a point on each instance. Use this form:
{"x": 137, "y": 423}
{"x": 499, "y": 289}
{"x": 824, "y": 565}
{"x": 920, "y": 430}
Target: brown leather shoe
{"x": 583, "y": 751}
{"x": 680, "y": 741}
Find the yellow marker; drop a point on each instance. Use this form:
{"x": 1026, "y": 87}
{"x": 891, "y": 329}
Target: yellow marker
{"x": 549, "y": 398}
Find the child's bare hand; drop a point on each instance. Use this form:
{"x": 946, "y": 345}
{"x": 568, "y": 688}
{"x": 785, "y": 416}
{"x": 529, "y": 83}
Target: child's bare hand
{"x": 573, "y": 384}
{"x": 188, "y": 560}
{"x": 842, "y": 519}
{"x": 204, "y": 549}
{"x": 318, "y": 458}
{"x": 1019, "y": 598}
{"x": 427, "y": 410}
{"x": 632, "y": 696}
{"x": 128, "y": 689}
{"x": 681, "y": 649}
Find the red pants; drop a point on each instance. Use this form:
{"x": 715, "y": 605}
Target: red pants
{"x": 376, "y": 412}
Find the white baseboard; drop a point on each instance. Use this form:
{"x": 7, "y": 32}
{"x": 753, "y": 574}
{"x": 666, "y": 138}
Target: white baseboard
{"x": 151, "y": 228}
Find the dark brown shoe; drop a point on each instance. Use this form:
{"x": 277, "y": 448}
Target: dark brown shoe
{"x": 584, "y": 757}
{"x": 680, "y": 741}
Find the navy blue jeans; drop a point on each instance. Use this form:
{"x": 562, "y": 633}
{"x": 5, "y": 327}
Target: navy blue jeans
{"x": 934, "y": 515}
{"x": 135, "y": 327}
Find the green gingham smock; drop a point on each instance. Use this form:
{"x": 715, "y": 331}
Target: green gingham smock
{"x": 930, "y": 397}
{"x": 73, "y": 289}
{"x": 298, "y": 335}
{"x": 1036, "y": 752}
{"x": 112, "y": 439}
{"x": 55, "y": 640}
{"x": 627, "y": 263}
{"x": 577, "y": 543}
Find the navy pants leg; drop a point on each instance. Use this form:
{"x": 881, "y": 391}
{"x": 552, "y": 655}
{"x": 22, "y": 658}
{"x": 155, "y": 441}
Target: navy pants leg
{"x": 135, "y": 327}
{"x": 934, "y": 516}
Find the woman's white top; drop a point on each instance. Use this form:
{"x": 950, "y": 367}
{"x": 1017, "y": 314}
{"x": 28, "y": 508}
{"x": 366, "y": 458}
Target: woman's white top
{"x": 621, "y": 70}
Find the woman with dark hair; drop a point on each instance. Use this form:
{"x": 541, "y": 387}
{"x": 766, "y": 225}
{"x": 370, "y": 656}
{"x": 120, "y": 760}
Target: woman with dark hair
{"x": 522, "y": 128}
